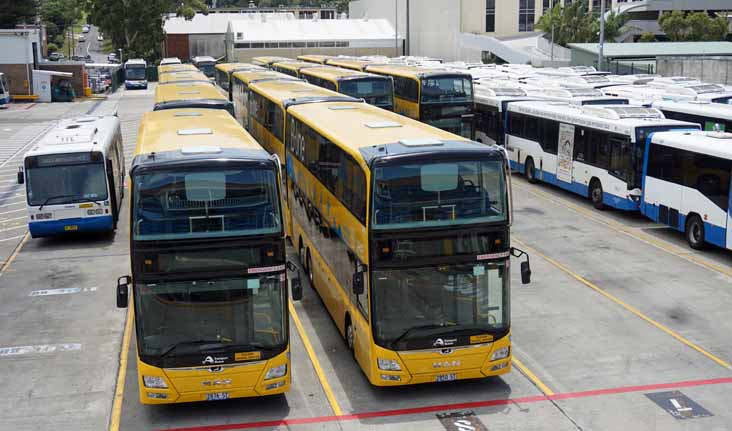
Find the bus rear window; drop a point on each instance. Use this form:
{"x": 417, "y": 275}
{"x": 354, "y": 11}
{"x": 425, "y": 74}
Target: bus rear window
{"x": 187, "y": 203}
{"x": 447, "y": 89}
{"x": 438, "y": 194}
{"x": 376, "y": 91}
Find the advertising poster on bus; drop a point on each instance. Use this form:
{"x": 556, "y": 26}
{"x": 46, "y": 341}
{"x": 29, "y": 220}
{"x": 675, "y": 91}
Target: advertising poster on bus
{"x": 564, "y": 155}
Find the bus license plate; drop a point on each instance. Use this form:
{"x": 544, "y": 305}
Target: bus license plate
{"x": 217, "y": 396}
{"x": 446, "y": 377}
{"x": 71, "y": 227}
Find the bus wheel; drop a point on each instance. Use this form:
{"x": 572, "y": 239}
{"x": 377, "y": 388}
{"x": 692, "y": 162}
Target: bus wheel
{"x": 349, "y": 333}
{"x": 596, "y": 195}
{"x": 695, "y": 232}
{"x": 530, "y": 171}
{"x": 309, "y": 268}
{"x": 299, "y": 251}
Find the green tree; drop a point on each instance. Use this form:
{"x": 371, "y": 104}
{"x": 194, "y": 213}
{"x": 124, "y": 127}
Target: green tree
{"x": 52, "y": 47}
{"x": 647, "y": 37}
{"x": 614, "y": 22}
{"x": 574, "y": 24}
{"x": 136, "y": 26}
{"x": 692, "y": 27}
{"x": 675, "y": 26}
{"x": 14, "y": 12}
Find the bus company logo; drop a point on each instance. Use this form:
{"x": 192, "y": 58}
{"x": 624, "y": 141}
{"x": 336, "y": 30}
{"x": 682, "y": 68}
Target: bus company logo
{"x": 213, "y": 360}
{"x": 442, "y": 342}
{"x": 446, "y": 364}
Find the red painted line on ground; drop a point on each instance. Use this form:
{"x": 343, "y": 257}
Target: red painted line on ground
{"x": 457, "y": 406}
{"x": 30, "y": 106}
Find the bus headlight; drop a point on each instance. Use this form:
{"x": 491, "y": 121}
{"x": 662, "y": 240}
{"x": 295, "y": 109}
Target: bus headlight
{"x": 276, "y": 372}
{"x": 155, "y": 382}
{"x": 501, "y": 353}
{"x": 388, "y": 364}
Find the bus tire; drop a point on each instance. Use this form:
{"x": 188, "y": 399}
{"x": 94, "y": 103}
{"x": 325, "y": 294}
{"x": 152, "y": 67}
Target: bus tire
{"x": 695, "y": 232}
{"x": 596, "y": 194}
{"x": 349, "y": 333}
{"x": 300, "y": 254}
{"x": 530, "y": 171}
{"x": 309, "y": 268}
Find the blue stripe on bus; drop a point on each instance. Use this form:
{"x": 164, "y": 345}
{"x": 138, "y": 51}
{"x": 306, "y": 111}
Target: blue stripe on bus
{"x": 4, "y": 100}
{"x": 85, "y": 224}
{"x": 713, "y": 234}
{"x": 617, "y": 202}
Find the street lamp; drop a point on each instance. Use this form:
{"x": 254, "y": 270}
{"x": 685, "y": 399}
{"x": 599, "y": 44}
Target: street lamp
{"x": 120, "y": 55}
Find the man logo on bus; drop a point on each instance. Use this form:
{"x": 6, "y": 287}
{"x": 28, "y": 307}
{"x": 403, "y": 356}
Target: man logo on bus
{"x": 208, "y": 360}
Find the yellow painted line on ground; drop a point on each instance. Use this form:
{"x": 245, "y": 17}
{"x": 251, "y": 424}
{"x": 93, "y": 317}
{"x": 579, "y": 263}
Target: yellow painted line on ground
{"x": 688, "y": 256}
{"x": 122, "y": 374}
{"x": 618, "y": 301}
{"x": 316, "y": 364}
{"x": 531, "y": 376}
{"x": 12, "y": 257}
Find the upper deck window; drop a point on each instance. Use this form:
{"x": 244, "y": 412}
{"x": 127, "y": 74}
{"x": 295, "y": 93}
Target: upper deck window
{"x": 447, "y": 89}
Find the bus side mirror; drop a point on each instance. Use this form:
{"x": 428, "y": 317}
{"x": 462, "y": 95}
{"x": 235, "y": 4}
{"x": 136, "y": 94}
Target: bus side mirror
{"x": 525, "y": 266}
{"x": 21, "y": 177}
{"x": 295, "y": 282}
{"x": 358, "y": 283}
{"x": 122, "y": 289}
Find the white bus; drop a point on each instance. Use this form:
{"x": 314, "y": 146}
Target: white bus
{"x": 643, "y": 94}
{"x": 170, "y": 60}
{"x": 135, "y": 73}
{"x": 491, "y": 103}
{"x": 687, "y": 185}
{"x": 594, "y": 151}
{"x": 701, "y": 92}
{"x": 205, "y": 64}
{"x": 574, "y": 95}
{"x": 4, "y": 90}
{"x": 74, "y": 177}
{"x": 710, "y": 116}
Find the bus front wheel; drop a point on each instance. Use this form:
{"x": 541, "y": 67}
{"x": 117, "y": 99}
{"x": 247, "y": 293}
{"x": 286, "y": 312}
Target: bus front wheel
{"x": 695, "y": 232}
{"x": 530, "y": 171}
{"x": 309, "y": 265}
{"x": 349, "y": 333}
{"x": 596, "y": 195}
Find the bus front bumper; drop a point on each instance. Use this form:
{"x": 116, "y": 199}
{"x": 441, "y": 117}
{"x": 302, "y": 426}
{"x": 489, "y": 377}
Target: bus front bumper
{"x": 40, "y": 229}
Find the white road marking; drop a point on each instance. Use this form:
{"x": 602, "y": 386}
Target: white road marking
{"x": 13, "y": 211}
{"x": 42, "y": 348}
{"x": 12, "y": 238}
{"x": 65, "y": 291}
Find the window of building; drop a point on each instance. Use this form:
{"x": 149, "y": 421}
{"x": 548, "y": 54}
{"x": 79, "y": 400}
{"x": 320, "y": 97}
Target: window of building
{"x": 312, "y": 44}
{"x": 490, "y": 16}
{"x": 270, "y": 44}
{"x": 298, "y": 44}
{"x": 258, "y": 45}
{"x": 596, "y": 6}
{"x": 527, "y": 10}
{"x": 326, "y": 44}
{"x": 546, "y": 5}
{"x": 242, "y": 45}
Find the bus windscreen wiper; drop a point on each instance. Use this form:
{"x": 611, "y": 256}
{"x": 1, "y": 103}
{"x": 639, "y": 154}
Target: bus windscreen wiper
{"x": 409, "y": 332}
{"x": 53, "y": 197}
{"x": 175, "y": 346}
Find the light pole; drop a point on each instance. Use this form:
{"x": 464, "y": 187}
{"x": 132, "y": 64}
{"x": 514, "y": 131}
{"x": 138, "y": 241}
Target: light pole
{"x": 120, "y": 55}
{"x": 396, "y": 28}
{"x": 551, "y": 15}
{"x": 602, "y": 35}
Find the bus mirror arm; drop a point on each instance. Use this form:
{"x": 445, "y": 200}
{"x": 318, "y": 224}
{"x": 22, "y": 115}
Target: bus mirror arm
{"x": 21, "y": 178}
{"x": 295, "y": 283}
{"x": 525, "y": 266}
{"x": 358, "y": 283}
{"x": 122, "y": 289}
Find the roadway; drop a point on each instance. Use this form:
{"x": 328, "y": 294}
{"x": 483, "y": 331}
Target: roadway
{"x": 618, "y": 312}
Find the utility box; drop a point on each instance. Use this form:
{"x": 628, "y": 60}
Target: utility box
{"x": 42, "y": 83}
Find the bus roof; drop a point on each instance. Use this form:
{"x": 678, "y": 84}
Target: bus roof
{"x": 349, "y": 63}
{"x": 203, "y": 58}
{"x": 361, "y": 129}
{"x": 250, "y": 76}
{"x": 414, "y": 72}
{"x": 293, "y": 65}
{"x": 705, "y": 109}
{"x": 268, "y": 60}
{"x": 230, "y": 67}
{"x": 170, "y": 60}
{"x": 135, "y": 62}
{"x": 173, "y": 130}
{"x": 187, "y": 91}
{"x": 281, "y": 91}
{"x": 170, "y": 68}
{"x": 718, "y": 144}
{"x": 336, "y": 73}
{"x": 623, "y": 119}
{"x": 314, "y": 58}
{"x": 182, "y": 77}
{"x": 83, "y": 134}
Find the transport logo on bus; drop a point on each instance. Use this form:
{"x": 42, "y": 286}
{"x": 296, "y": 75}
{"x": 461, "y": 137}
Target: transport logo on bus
{"x": 441, "y": 342}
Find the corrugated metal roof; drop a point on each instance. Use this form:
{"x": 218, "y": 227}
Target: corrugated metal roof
{"x": 655, "y": 49}
{"x": 216, "y": 23}
{"x": 312, "y": 30}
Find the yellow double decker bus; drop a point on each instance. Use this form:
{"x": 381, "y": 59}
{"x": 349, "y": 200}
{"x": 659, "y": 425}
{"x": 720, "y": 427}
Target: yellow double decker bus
{"x": 440, "y": 98}
{"x": 240, "y": 82}
{"x": 187, "y": 76}
{"x": 403, "y": 230}
{"x": 191, "y": 95}
{"x": 374, "y": 89}
{"x": 314, "y": 58}
{"x": 292, "y": 68}
{"x": 207, "y": 245}
{"x": 224, "y": 72}
{"x": 266, "y": 61}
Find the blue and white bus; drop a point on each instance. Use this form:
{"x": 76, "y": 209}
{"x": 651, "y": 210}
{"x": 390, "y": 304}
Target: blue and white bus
{"x": 4, "y": 90}
{"x": 74, "y": 177}
{"x": 135, "y": 73}
{"x": 686, "y": 185}
{"x": 711, "y": 116}
{"x": 595, "y": 151}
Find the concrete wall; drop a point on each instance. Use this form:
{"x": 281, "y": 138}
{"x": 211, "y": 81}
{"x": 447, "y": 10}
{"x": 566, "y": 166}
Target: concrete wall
{"x": 207, "y": 44}
{"x": 716, "y": 70}
{"x": 246, "y": 55}
{"x": 17, "y": 47}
